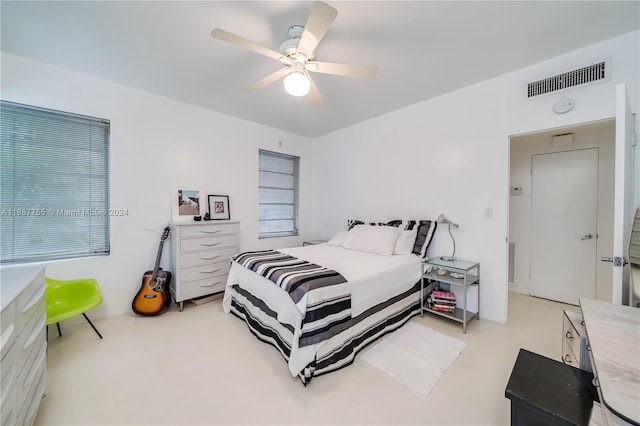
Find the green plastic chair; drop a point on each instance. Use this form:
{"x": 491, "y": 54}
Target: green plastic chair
{"x": 67, "y": 299}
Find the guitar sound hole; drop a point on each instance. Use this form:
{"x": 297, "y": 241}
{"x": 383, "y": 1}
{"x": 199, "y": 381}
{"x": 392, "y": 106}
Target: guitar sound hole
{"x": 150, "y": 296}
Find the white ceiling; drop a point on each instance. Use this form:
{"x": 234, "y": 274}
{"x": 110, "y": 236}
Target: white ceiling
{"x": 422, "y": 48}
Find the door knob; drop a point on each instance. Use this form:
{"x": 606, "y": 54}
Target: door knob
{"x": 617, "y": 261}
{"x": 587, "y": 237}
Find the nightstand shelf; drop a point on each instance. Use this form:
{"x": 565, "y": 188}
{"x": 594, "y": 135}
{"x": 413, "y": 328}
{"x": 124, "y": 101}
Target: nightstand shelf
{"x": 457, "y": 315}
{"x": 469, "y": 276}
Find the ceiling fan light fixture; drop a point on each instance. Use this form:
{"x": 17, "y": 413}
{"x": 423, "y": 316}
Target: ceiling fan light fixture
{"x": 297, "y": 84}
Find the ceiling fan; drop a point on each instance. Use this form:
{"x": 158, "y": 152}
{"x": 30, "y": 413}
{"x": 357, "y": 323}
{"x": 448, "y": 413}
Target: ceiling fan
{"x": 296, "y": 54}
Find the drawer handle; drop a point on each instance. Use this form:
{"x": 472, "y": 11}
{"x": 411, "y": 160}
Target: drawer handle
{"x": 582, "y": 323}
{"x": 210, "y": 244}
{"x": 569, "y": 335}
{"x": 211, "y": 285}
{"x": 210, "y": 258}
{"x": 567, "y": 358}
{"x": 211, "y": 232}
{"x": 12, "y": 381}
{"x": 6, "y": 336}
{"x": 596, "y": 382}
{"x": 210, "y": 272}
{"x": 35, "y": 332}
{"x": 35, "y": 367}
{"x": 35, "y": 299}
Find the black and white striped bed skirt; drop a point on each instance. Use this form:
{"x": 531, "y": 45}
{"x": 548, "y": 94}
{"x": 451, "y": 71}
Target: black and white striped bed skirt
{"x": 340, "y": 350}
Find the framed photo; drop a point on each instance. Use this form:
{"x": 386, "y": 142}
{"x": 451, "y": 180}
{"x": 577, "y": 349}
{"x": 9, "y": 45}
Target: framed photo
{"x": 186, "y": 202}
{"x": 219, "y": 207}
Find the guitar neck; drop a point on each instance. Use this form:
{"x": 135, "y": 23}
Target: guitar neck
{"x": 157, "y": 265}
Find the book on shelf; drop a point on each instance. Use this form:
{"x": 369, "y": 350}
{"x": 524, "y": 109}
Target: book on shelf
{"x": 442, "y": 308}
{"x": 443, "y": 295}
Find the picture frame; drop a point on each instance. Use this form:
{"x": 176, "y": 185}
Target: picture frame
{"x": 187, "y": 201}
{"x": 219, "y": 207}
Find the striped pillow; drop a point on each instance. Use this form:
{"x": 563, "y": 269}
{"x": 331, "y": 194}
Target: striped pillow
{"x": 424, "y": 236}
{"x": 353, "y": 222}
{"x": 426, "y": 229}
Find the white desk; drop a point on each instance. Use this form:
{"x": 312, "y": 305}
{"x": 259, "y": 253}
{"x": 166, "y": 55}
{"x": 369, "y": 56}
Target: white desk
{"x": 613, "y": 332}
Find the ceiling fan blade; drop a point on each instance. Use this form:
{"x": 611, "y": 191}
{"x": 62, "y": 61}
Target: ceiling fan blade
{"x": 346, "y": 70}
{"x": 270, "y": 79}
{"x": 244, "y": 43}
{"x": 314, "y": 94}
{"x": 320, "y": 18}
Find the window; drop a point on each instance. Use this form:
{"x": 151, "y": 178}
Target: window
{"x": 278, "y": 195}
{"x": 54, "y": 184}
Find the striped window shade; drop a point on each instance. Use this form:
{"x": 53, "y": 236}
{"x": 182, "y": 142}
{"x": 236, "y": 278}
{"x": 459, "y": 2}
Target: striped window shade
{"x": 277, "y": 194}
{"x": 54, "y": 184}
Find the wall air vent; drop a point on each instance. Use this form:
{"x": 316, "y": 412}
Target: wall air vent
{"x": 596, "y": 72}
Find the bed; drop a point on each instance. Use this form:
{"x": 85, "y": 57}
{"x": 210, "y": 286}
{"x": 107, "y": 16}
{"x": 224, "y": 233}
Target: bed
{"x": 362, "y": 284}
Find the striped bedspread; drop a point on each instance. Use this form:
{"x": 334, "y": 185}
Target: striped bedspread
{"x": 322, "y": 295}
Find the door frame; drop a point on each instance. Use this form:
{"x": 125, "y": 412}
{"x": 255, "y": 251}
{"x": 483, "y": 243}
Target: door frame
{"x": 602, "y": 133}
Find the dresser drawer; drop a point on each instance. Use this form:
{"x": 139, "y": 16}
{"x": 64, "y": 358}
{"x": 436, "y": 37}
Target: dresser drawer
{"x": 27, "y": 414}
{"x": 571, "y": 335}
{"x": 207, "y": 230}
{"x": 31, "y": 371}
{"x": 204, "y": 271}
{"x": 29, "y": 302}
{"x": 9, "y": 409}
{"x": 207, "y": 243}
{"x": 9, "y": 376}
{"x": 197, "y": 288}
{"x": 207, "y": 257}
{"x": 568, "y": 356}
{"x": 34, "y": 333}
{"x": 9, "y": 329}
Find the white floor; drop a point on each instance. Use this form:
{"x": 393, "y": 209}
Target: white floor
{"x": 202, "y": 366}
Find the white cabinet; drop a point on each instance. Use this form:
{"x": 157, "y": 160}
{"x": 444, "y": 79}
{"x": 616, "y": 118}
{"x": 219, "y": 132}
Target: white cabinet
{"x": 23, "y": 344}
{"x": 201, "y": 256}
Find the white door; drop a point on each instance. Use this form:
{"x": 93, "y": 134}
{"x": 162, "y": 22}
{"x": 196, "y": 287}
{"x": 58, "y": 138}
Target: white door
{"x": 623, "y": 197}
{"x": 564, "y": 206}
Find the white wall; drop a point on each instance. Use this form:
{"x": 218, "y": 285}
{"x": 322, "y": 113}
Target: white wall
{"x": 451, "y": 155}
{"x": 599, "y": 135}
{"x": 156, "y": 143}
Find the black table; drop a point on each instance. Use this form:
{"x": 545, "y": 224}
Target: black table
{"x": 547, "y": 392}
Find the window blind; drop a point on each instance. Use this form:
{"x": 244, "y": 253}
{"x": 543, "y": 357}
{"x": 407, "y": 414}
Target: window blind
{"x": 277, "y": 194}
{"x": 54, "y": 184}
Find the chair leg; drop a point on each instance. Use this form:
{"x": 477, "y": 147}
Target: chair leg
{"x": 59, "y": 332}
{"x": 92, "y": 326}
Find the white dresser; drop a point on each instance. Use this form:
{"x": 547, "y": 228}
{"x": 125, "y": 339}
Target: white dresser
{"x": 24, "y": 344}
{"x": 201, "y": 255}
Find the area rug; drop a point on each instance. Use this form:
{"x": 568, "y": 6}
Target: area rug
{"x": 415, "y": 356}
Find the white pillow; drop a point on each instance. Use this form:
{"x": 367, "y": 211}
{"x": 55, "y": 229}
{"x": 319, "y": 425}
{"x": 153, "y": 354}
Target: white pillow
{"x": 405, "y": 242}
{"x": 338, "y": 239}
{"x": 372, "y": 239}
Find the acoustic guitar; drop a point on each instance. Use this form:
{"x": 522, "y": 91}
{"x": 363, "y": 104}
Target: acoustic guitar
{"x": 154, "y": 296}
